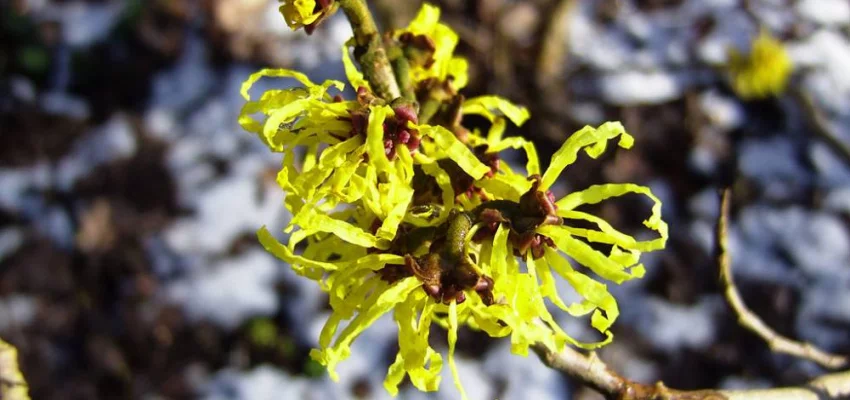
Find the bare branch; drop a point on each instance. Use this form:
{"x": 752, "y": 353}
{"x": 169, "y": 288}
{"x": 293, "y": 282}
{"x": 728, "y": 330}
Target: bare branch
{"x": 821, "y": 125}
{"x": 553, "y": 48}
{"x": 747, "y": 318}
{"x": 369, "y": 50}
{"x": 588, "y": 369}
{"x": 591, "y": 371}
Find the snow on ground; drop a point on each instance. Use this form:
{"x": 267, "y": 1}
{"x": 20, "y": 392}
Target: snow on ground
{"x": 268, "y": 383}
{"x": 82, "y": 23}
{"x": 825, "y": 12}
{"x": 230, "y": 291}
{"x": 112, "y": 141}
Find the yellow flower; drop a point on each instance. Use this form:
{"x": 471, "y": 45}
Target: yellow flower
{"x": 429, "y": 46}
{"x": 498, "y": 297}
{"x": 394, "y": 214}
{"x": 762, "y": 73}
{"x": 537, "y": 228}
{"x": 492, "y": 296}
{"x": 363, "y": 286}
{"x": 353, "y": 151}
{"x": 371, "y": 258}
{"x": 439, "y": 42}
{"x": 306, "y": 13}
{"x": 503, "y": 183}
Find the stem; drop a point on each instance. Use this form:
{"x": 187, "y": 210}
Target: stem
{"x": 401, "y": 67}
{"x": 747, "y": 318}
{"x": 593, "y": 372}
{"x": 369, "y": 50}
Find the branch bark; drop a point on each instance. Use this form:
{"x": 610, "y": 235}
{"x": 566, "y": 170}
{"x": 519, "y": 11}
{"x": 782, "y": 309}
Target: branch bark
{"x": 593, "y": 372}
{"x": 369, "y": 50}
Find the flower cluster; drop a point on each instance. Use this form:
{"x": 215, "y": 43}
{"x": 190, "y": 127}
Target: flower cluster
{"x": 398, "y": 207}
{"x": 762, "y": 73}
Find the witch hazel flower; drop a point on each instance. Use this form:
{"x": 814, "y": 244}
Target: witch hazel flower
{"x": 399, "y": 208}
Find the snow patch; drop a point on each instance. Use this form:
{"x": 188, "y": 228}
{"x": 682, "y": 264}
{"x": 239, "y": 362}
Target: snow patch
{"x": 230, "y": 291}
{"x": 112, "y": 141}
{"x": 825, "y": 12}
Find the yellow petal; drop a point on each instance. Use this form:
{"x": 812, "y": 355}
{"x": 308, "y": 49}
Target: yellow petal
{"x": 375, "y": 138}
{"x": 453, "y": 327}
{"x": 598, "y": 193}
{"x": 457, "y": 151}
{"x": 489, "y": 106}
{"x": 425, "y": 21}
{"x": 500, "y": 253}
{"x": 585, "y": 255}
{"x": 383, "y": 298}
{"x": 458, "y": 68}
{"x": 355, "y": 77}
{"x": 595, "y": 293}
{"x": 274, "y": 73}
{"x": 246, "y": 121}
{"x": 13, "y": 386}
{"x": 532, "y": 166}
{"x": 284, "y": 253}
{"x": 273, "y": 130}
{"x": 592, "y": 140}
{"x": 415, "y": 356}
{"x": 309, "y": 219}
{"x": 431, "y": 168}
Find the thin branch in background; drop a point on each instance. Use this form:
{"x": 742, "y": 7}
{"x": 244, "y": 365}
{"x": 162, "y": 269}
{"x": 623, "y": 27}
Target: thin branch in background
{"x": 750, "y": 320}
{"x": 821, "y": 125}
{"x": 550, "y": 70}
{"x": 591, "y": 371}
{"x": 553, "y": 49}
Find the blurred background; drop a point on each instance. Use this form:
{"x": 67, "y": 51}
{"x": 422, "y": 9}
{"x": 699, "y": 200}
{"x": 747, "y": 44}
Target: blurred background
{"x": 129, "y": 196}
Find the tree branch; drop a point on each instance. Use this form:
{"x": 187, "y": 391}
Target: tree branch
{"x": 750, "y": 320}
{"x": 821, "y": 124}
{"x": 369, "y": 50}
{"x": 591, "y": 371}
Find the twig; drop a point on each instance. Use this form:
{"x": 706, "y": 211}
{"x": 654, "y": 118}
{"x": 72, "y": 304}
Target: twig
{"x": 751, "y": 321}
{"x": 591, "y": 371}
{"x": 553, "y": 49}
{"x": 821, "y": 125}
{"x": 550, "y": 75}
{"x": 370, "y": 52}
{"x": 588, "y": 369}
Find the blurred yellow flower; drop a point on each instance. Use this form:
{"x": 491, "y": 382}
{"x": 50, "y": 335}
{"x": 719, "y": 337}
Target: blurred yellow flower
{"x": 762, "y": 73}
{"x": 298, "y": 13}
{"x": 306, "y": 13}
